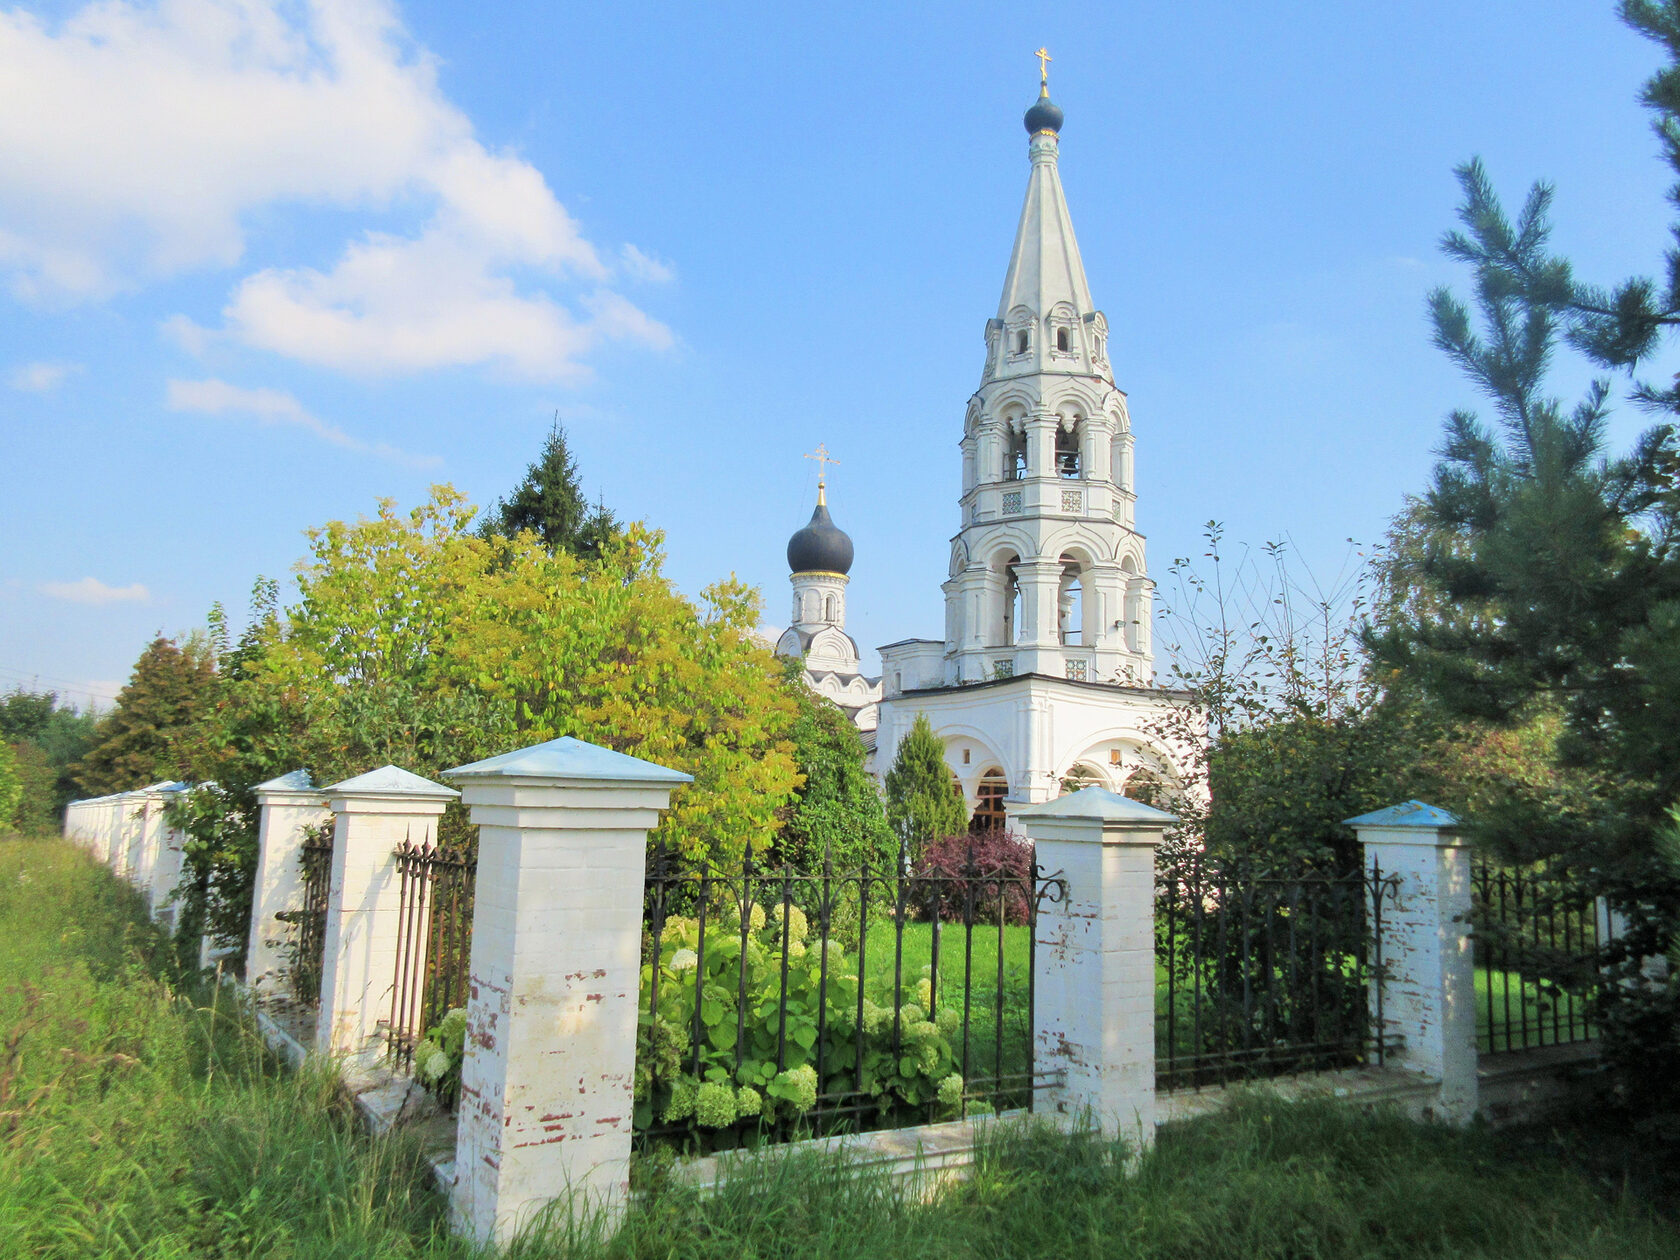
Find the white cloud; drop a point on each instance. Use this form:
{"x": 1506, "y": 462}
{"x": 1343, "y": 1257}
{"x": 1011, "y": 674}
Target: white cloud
{"x": 150, "y": 132}
{"x": 645, "y": 267}
{"x": 41, "y": 378}
{"x": 90, "y": 590}
{"x": 274, "y": 406}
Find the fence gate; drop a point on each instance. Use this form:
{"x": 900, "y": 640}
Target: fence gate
{"x": 315, "y": 857}
{"x": 434, "y": 941}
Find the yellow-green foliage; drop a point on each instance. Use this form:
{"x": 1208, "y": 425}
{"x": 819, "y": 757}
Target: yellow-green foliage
{"x": 605, "y": 650}
{"x": 11, "y": 787}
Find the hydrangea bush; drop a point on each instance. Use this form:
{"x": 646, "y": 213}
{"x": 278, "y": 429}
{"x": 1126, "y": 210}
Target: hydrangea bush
{"x": 729, "y": 1099}
{"x": 437, "y": 1059}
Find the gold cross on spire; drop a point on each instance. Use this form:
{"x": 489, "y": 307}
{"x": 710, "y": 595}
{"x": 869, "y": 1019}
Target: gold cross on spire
{"x": 1044, "y": 60}
{"x": 823, "y": 459}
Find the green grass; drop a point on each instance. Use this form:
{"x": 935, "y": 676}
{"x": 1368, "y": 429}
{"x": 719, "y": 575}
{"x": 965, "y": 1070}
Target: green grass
{"x": 140, "y": 1118}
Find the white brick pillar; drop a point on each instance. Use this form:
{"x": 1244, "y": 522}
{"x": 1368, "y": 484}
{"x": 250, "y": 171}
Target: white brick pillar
{"x": 285, "y": 806}
{"x": 548, "y": 1082}
{"x": 152, "y": 829}
{"x": 73, "y": 829}
{"x": 1427, "y": 987}
{"x": 110, "y": 829}
{"x": 1094, "y": 959}
{"x": 372, "y": 814}
{"x": 165, "y": 873}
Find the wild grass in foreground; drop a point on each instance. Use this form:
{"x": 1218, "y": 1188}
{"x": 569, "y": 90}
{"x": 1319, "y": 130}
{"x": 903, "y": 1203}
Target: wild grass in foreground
{"x": 142, "y": 1117}
{"x": 139, "y": 1117}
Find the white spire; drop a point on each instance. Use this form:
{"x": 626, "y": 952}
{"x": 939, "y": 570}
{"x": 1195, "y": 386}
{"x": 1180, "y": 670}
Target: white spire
{"x": 1045, "y": 267}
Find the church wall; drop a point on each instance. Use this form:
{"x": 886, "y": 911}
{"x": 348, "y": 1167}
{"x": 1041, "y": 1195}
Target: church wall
{"x": 1036, "y": 729}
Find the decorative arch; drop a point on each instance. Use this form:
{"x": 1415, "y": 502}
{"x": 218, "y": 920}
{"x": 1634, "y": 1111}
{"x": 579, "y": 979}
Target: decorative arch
{"x": 1013, "y": 401}
{"x": 1082, "y": 774}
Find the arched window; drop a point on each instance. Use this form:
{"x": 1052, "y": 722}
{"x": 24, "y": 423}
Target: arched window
{"x": 1021, "y": 342}
{"x": 1067, "y": 452}
{"x": 1011, "y": 604}
{"x": 989, "y": 810}
{"x": 828, "y": 609}
{"x": 1145, "y": 786}
{"x": 1015, "y": 461}
{"x": 1080, "y": 776}
{"x": 1062, "y": 340}
{"x": 1070, "y": 606}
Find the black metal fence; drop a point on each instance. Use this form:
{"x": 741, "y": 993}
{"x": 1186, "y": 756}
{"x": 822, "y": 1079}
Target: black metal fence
{"x": 310, "y": 919}
{"x": 1261, "y": 974}
{"x": 434, "y": 942}
{"x": 1536, "y": 943}
{"x": 776, "y": 1002}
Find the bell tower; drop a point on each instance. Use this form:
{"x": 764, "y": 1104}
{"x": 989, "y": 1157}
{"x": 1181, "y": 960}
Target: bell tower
{"x": 1047, "y": 573}
{"x": 1045, "y": 674}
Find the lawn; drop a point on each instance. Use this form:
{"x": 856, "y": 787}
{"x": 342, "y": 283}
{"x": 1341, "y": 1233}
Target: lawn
{"x": 140, "y": 1118}
{"x": 985, "y": 969}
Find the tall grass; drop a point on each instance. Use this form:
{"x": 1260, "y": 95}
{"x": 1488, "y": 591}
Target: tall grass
{"x": 140, "y": 1117}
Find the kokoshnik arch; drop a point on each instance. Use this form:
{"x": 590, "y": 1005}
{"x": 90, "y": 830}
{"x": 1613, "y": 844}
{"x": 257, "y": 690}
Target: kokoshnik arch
{"x": 1045, "y": 674}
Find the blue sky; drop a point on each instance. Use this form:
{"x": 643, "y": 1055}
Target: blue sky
{"x": 261, "y": 265}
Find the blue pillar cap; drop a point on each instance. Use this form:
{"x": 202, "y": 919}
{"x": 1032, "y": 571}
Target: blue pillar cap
{"x": 1407, "y": 814}
{"x": 568, "y": 758}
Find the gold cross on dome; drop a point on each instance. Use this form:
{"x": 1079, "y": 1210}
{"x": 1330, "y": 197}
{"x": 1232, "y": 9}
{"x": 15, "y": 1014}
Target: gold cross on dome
{"x": 1044, "y": 60}
{"x": 823, "y": 459}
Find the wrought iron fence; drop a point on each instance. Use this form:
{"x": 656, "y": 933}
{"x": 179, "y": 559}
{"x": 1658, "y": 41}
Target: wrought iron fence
{"x": 434, "y": 943}
{"x": 778, "y": 1002}
{"x": 1536, "y": 942}
{"x": 310, "y": 919}
{"x": 1263, "y": 975}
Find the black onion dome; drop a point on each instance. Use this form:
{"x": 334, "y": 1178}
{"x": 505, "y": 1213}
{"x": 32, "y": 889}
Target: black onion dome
{"x": 1045, "y": 115}
{"x": 821, "y": 545}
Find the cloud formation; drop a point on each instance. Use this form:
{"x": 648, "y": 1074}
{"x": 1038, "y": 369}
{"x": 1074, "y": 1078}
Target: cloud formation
{"x": 91, "y": 590}
{"x": 150, "y": 132}
{"x": 41, "y": 378}
{"x": 273, "y": 406}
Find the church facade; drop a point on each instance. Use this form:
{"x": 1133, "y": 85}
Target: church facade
{"x": 1044, "y": 675}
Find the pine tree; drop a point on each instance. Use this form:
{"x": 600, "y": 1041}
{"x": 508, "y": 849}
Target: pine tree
{"x": 136, "y": 744}
{"x": 1551, "y": 584}
{"x": 550, "y": 503}
{"x": 923, "y": 801}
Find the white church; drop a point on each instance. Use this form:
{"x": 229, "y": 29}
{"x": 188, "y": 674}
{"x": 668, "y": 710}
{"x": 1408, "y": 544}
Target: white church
{"x": 1045, "y": 675}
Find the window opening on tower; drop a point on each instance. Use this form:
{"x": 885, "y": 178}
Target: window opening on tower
{"x": 1016, "y": 468}
{"x": 1062, "y": 340}
{"x": 1067, "y": 452}
{"x": 1071, "y": 607}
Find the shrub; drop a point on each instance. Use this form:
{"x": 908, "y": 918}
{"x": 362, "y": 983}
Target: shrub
{"x": 995, "y": 865}
{"x": 729, "y": 1092}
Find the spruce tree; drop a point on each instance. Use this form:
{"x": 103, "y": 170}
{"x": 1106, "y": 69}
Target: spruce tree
{"x": 550, "y": 503}
{"x": 136, "y": 743}
{"x": 923, "y": 801}
{"x": 836, "y": 815}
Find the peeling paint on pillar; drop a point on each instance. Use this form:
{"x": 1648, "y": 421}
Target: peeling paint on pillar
{"x": 552, "y": 1033}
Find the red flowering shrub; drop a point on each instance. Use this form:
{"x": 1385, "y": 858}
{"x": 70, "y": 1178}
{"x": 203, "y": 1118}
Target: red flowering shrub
{"x": 978, "y": 874}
